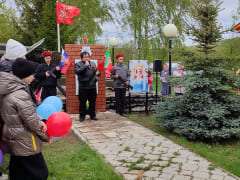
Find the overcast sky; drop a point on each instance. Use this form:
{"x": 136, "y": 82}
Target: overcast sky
{"x": 110, "y": 29}
{"x": 229, "y": 8}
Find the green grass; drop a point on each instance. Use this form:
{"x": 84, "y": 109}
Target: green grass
{"x": 225, "y": 155}
{"x": 69, "y": 159}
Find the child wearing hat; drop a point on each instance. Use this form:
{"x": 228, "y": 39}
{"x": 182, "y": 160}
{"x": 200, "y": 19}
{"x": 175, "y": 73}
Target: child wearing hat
{"x": 23, "y": 130}
{"x": 48, "y": 73}
{"x": 120, "y": 76}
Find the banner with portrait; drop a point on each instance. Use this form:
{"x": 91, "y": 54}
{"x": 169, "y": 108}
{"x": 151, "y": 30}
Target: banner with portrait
{"x": 138, "y": 75}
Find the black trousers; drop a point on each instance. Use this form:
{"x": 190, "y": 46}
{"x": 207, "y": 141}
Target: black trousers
{"x": 28, "y": 167}
{"x": 120, "y": 96}
{"x": 48, "y": 91}
{"x": 90, "y": 95}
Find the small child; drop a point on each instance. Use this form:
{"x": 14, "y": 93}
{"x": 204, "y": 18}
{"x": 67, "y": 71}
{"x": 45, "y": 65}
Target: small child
{"x": 23, "y": 130}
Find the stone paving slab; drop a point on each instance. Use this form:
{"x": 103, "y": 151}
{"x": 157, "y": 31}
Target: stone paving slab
{"x": 138, "y": 153}
{"x": 109, "y": 127}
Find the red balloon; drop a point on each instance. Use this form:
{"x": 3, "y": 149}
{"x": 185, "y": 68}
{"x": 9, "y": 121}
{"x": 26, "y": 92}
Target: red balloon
{"x": 58, "y": 124}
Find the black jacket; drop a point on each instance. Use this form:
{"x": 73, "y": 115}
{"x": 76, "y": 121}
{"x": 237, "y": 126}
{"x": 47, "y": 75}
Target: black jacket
{"x": 41, "y": 75}
{"x": 86, "y": 75}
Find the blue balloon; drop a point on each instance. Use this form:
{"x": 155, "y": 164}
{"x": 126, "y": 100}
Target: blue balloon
{"x": 54, "y": 101}
{"x": 45, "y": 110}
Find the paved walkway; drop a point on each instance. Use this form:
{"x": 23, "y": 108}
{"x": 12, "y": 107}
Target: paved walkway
{"x": 140, "y": 154}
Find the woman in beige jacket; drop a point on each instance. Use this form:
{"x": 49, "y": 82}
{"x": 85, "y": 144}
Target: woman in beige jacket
{"x": 23, "y": 130}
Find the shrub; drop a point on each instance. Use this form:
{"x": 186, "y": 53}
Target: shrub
{"x": 206, "y": 111}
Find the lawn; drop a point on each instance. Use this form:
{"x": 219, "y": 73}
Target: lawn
{"x": 69, "y": 159}
{"x": 226, "y": 155}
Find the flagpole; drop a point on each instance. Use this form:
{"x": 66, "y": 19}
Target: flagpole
{"x": 58, "y": 34}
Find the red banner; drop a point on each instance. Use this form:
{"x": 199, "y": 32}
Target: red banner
{"x": 65, "y": 13}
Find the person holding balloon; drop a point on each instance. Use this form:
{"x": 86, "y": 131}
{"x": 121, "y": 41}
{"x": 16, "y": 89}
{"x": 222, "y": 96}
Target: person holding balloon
{"x": 23, "y": 131}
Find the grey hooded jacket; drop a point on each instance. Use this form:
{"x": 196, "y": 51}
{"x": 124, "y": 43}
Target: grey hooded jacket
{"x": 22, "y": 133}
{"x": 123, "y": 75}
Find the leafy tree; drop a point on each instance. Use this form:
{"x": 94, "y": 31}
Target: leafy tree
{"x": 146, "y": 19}
{"x": 38, "y": 20}
{"x": 8, "y": 24}
{"x": 30, "y": 18}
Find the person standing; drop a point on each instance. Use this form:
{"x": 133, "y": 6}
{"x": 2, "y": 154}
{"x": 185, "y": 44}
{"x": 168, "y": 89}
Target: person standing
{"x": 120, "y": 76}
{"x": 87, "y": 72}
{"x": 23, "y": 130}
{"x": 14, "y": 50}
{"x": 48, "y": 73}
{"x": 179, "y": 72}
{"x": 164, "y": 74}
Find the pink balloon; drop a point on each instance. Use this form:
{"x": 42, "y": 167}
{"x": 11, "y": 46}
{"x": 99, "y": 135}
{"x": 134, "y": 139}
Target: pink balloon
{"x": 58, "y": 124}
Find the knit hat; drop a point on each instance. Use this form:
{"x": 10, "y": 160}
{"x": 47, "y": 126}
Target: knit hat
{"x": 22, "y": 68}
{"x": 119, "y": 55}
{"x": 15, "y": 49}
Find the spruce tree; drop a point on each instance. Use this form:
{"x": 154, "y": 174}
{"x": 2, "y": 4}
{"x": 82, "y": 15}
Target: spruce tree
{"x": 204, "y": 31}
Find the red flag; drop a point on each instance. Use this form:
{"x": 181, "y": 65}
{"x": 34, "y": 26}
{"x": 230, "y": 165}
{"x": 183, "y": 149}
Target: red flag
{"x": 65, "y": 13}
{"x": 38, "y": 96}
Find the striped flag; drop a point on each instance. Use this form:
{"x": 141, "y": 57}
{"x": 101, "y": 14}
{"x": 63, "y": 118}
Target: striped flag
{"x": 65, "y": 62}
{"x": 107, "y": 64}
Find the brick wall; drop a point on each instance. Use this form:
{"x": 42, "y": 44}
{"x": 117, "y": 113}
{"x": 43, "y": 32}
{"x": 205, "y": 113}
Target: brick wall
{"x": 73, "y": 51}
